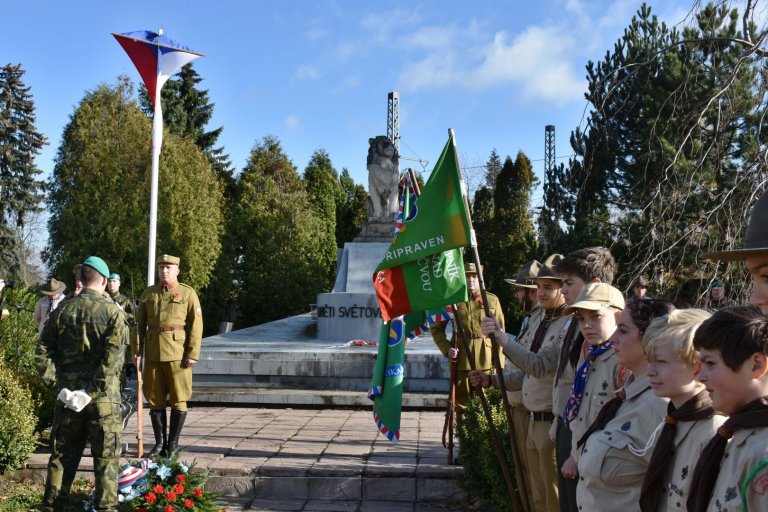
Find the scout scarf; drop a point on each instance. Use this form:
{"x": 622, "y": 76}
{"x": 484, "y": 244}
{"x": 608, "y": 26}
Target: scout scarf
{"x": 697, "y": 408}
{"x": 606, "y": 414}
{"x": 571, "y": 409}
{"x": 752, "y": 415}
{"x": 549, "y": 316}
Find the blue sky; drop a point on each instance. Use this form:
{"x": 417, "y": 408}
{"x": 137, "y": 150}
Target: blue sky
{"x": 316, "y": 73}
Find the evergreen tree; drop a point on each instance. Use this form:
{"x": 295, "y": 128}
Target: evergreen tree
{"x": 21, "y": 192}
{"x": 281, "y": 263}
{"x": 513, "y": 239}
{"x": 351, "y": 209}
{"x": 187, "y": 110}
{"x": 100, "y": 192}
{"x": 324, "y": 189}
{"x": 492, "y": 169}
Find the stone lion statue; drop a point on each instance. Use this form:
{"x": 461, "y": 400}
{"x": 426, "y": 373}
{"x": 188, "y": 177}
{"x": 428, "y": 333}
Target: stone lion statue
{"x": 383, "y": 176}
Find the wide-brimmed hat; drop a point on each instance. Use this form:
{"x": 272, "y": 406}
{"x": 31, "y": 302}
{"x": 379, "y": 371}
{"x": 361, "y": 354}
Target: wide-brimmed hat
{"x": 547, "y": 269}
{"x": 756, "y": 239}
{"x": 596, "y": 296}
{"x": 526, "y": 275}
{"x": 53, "y": 287}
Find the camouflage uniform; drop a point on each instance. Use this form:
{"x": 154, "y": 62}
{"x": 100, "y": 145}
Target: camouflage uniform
{"x": 125, "y": 304}
{"x": 85, "y": 340}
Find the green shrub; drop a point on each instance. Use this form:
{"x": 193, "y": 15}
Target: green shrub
{"x": 18, "y": 332}
{"x": 483, "y": 479}
{"x": 43, "y": 397}
{"x": 17, "y": 422}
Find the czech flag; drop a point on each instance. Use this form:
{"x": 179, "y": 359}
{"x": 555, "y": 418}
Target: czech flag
{"x": 157, "y": 57}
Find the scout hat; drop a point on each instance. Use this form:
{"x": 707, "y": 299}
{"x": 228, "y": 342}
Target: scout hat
{"x": 597, "y": 296}
{"x": 98, "y": 265}
{"x": 471, "y": 268}
{"x": 168, "y": 260}
{"x": 53, "y": 287}
{"x": 756, "y": 239}
{"x": 114, "y": 275}
{"x": 526, "y": 275}
{"x": 547, "y": 269}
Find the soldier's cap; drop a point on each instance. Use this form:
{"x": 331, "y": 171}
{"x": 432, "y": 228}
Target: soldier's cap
{"x": 716, "y": 283}
{"x": 471, "y": 268}
{"x": 526, "y": 275}
{"x": 756, "y": 239}
{"x": 547, "y": 269}
{"x": 596, "y": 296}
{"x": 114, "y": 275}
{"x": 640, "y": 281}
{"x": 168, "y": 260}
{"x": 53, "y": 287}
{"x": 98, "y": 265}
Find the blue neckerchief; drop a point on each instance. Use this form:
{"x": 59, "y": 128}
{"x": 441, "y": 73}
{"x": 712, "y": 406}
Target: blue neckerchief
{"x": 571, "y": 409}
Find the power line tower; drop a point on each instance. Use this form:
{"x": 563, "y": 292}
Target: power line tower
{"x": 549, "y": 149}
{"x": 393, "y": 119}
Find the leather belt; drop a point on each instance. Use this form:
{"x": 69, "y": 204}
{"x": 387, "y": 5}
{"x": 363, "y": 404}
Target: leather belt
{"x": 165, "y": 328}
{"x": 542, "y": 416}
{"x": 474, "y": 335}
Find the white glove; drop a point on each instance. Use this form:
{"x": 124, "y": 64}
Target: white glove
{"x": 75, "y": 400}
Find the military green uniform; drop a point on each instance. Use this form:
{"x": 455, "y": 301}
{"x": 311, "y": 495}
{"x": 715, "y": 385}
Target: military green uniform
{"x": 125, "y": 304}
{"x": 170, "y": 325}
{"x": 471, "y": 314}
{"x": 85, "y": 340}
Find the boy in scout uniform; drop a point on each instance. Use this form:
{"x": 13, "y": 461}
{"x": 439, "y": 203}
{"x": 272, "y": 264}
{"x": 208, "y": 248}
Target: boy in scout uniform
{"x": 732, "y": 472}
{"x": 85, "y": 340}
{"x": 536, "y": 365}
{"x": 170, "y": 326}
{"x": 471, "y": 314}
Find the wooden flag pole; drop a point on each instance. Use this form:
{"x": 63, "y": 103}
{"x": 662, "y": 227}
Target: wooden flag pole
{"x": 139, "y": 400}
{"x": 494, "y": 343}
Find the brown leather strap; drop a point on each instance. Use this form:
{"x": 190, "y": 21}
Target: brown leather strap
{"x": 165, "y": 328}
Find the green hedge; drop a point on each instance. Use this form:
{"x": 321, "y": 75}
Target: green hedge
{"x": 17, "y": 422}
{"x": 483, "y": 479}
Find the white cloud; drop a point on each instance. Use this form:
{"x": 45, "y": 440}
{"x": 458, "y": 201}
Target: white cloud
{"x": 308, "y": 72}
{"x": 291, "y": 123}
{"x": 317, "y": 33}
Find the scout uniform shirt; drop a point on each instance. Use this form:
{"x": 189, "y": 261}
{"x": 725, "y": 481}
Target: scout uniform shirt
{"x": 561, "y": 386}
{"x": 608, "y": 471}
{"x": 170, "y": 323}
{"x": 601, "y": 386}
{"x": 512, "y": 372}
{"x": 690, "y": 439}
{"x": 743, "y": 480}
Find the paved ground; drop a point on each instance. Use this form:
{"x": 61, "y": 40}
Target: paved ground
{"x": 272, "y": 459}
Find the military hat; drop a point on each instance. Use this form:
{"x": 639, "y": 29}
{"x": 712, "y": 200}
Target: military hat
{"x": 98, "y": 265}
{"x": 53, "y": 287}
{"x": 471, "y": 268}
{"x": 114, "y": 275}
{"x": 168, "y": 260}
{"x": 716, "y": 283}
{"x": 526, "y": 275}
{"x": 597, "y": 296}
{"x": 547, "y": 269}
{"x": 756, "y": 239}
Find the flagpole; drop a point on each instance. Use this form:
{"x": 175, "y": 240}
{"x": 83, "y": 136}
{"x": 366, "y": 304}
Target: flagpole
{"x": 494, "y": 343}
{"x": 157, "y": 142}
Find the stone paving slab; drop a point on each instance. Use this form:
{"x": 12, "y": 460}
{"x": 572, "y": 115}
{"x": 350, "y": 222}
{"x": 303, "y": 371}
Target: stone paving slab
{"x": 284, "y": 459}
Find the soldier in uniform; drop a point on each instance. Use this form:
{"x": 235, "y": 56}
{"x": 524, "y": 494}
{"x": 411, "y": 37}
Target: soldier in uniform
{"x": 125, "y": 303}
{"x": 471, "y": 314}
{"x": 170, "y": 325}
{"x": 85, "y": 340}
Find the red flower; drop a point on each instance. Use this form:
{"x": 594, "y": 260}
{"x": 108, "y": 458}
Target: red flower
{"x": 189, "y": 503}
{"x": 198, "y": 492}
{"x": 170, "y": 496}
{"x": 181, "y": 478}
{"x": 150, "y": 497}
{"x": 158, "y": 489}
{"x": 169, "y": 508}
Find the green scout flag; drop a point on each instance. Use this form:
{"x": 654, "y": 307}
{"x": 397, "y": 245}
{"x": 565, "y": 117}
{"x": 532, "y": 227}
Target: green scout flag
{"x": 422, "y": 267}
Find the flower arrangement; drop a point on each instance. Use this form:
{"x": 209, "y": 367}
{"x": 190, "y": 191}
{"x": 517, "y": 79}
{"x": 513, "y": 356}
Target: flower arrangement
{"x": 165, "y": 485}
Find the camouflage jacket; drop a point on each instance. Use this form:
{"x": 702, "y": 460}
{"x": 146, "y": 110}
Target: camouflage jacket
{"x": 126, "y": 304}
{"x": 84, "y": 341}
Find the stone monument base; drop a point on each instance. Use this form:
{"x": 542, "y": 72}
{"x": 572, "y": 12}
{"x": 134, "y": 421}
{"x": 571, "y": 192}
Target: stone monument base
{"x": 377, "y": 230}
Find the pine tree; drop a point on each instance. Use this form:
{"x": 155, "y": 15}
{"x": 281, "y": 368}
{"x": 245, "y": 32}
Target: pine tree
{"x": 351, "y": 209}
{"x": 187, "y": 110}
{"x": 21, "y": 192}
{"x": 100, "y": 191}
{"x": 492, "y": 169}
{"x": 324, "y": 189}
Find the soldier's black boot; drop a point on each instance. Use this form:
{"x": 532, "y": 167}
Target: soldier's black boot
{"x": 177, "y": 423}
{"x": 159, "y": 427}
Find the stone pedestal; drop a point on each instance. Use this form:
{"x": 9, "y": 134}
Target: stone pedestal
{"x": 377, "y": 230}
